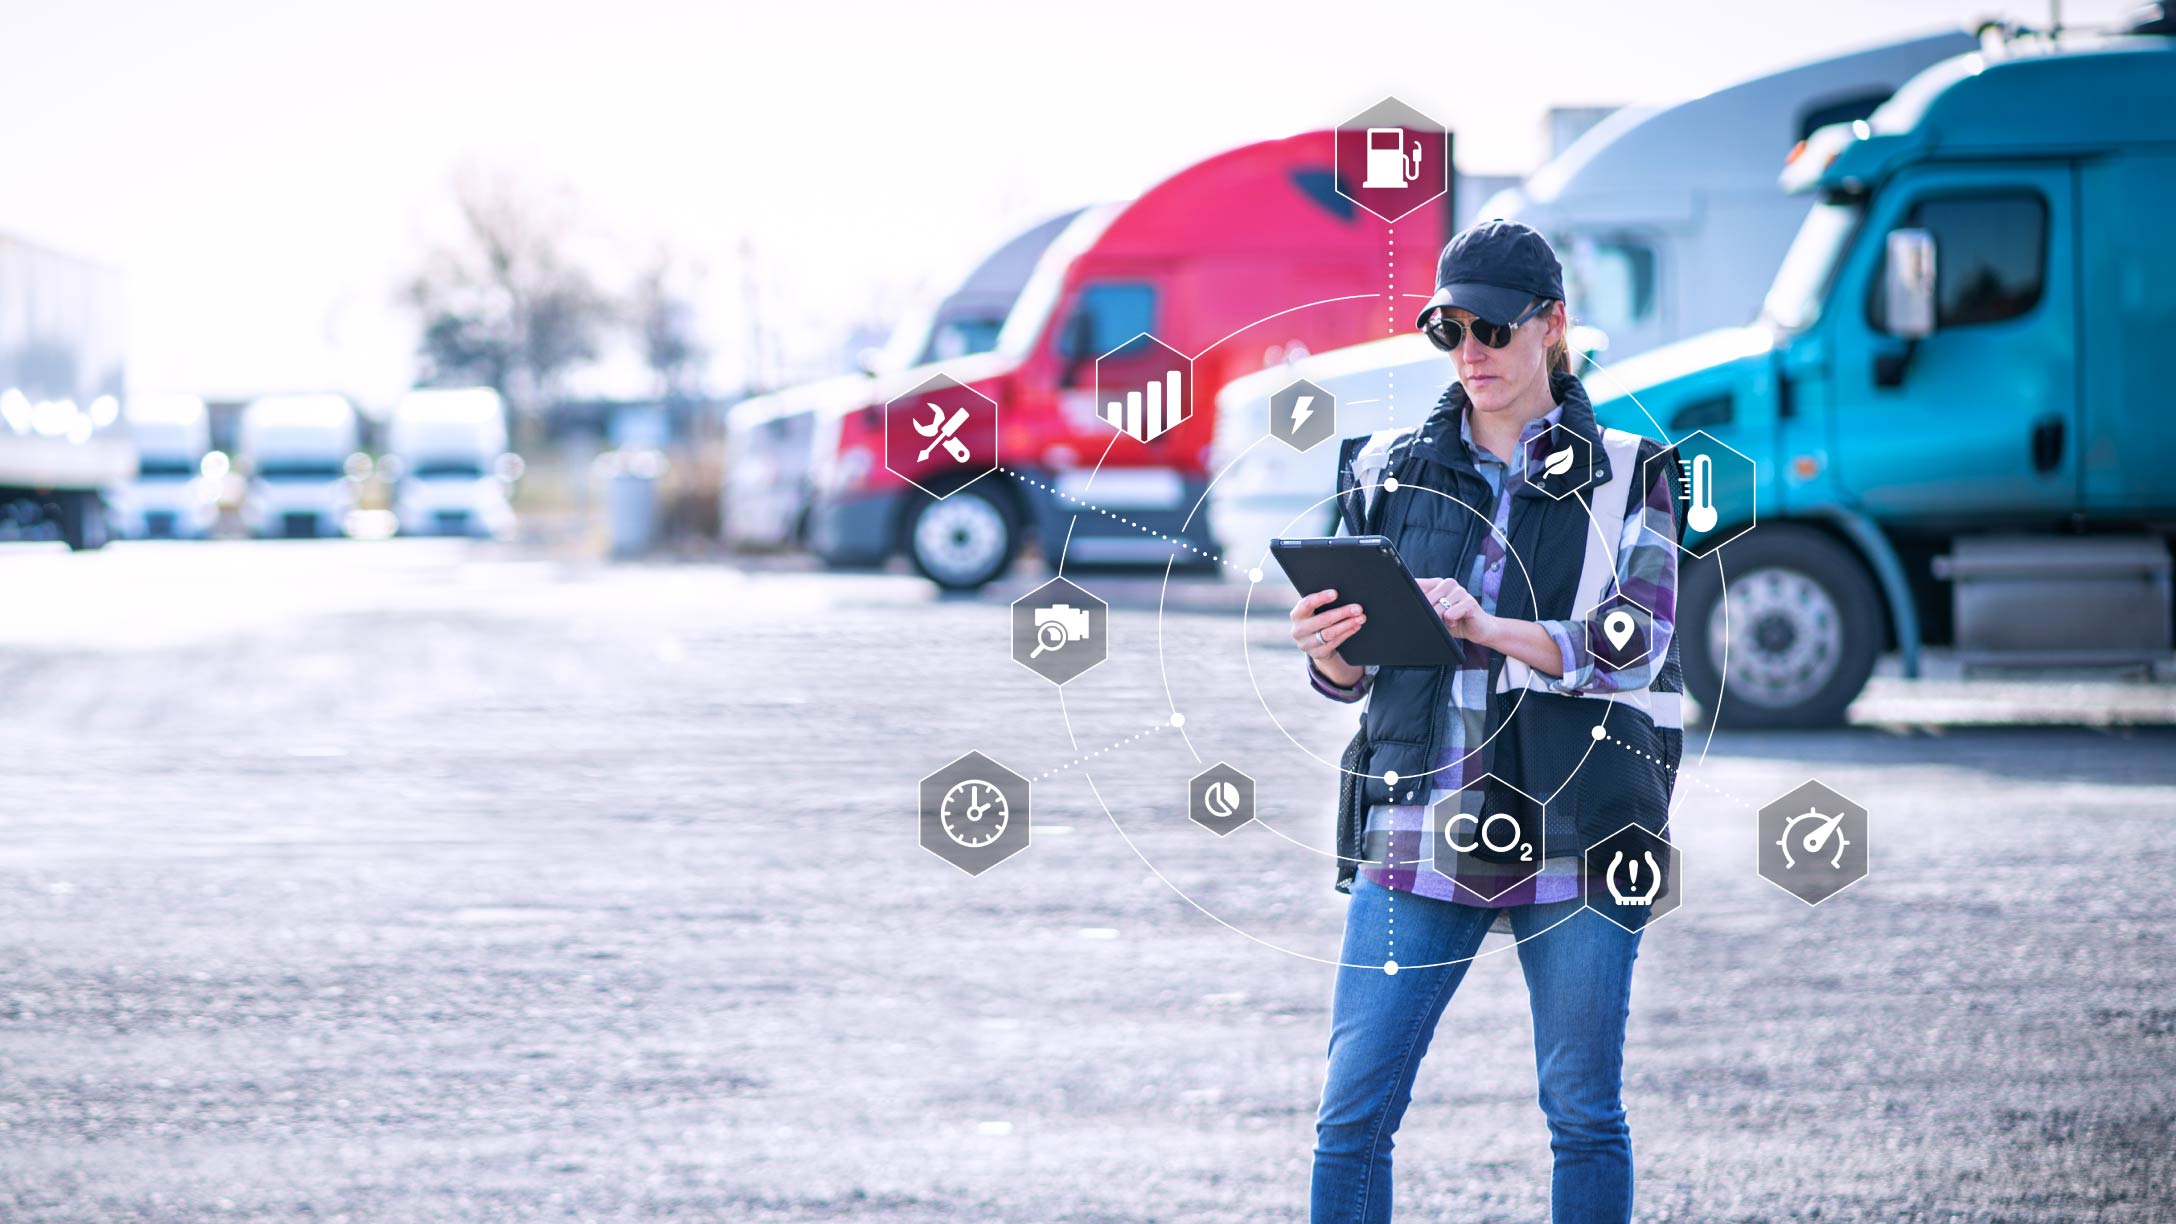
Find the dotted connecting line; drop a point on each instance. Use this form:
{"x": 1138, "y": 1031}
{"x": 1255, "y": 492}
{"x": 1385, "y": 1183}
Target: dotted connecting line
{"x": 1390, "y": 309}
{"x": 1390, "y": 914}
{"x": 1120, "y": 518}
{"x": 1601, "y": 733}
{"x": 1150, "y": 730}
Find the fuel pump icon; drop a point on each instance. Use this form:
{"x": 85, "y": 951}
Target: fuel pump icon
{"x": 1389, "y": 166}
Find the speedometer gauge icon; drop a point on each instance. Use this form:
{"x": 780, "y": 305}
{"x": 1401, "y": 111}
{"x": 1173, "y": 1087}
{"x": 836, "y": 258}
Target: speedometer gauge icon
{"x": 1812, "y": 834}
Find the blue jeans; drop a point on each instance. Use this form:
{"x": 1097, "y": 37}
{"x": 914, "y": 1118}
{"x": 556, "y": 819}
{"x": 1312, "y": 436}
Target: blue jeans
{"x": 1578, "y": 982}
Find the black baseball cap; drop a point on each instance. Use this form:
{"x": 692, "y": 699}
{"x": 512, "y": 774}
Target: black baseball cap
{"x": 1495, "y": 269}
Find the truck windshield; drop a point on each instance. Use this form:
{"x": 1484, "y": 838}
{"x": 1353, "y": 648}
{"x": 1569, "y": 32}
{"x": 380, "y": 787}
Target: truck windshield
{"x": 300, "y": 469}
{"x": 1794, "y": 300}
{"x": 165, "y": 467}
{"x": 448, "y": 469}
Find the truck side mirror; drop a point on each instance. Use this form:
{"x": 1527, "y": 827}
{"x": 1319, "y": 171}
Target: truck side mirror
{"x": 1908, "y": 284}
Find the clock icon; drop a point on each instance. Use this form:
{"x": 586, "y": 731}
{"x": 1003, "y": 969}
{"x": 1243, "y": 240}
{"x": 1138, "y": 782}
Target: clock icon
{"x": 974, "y": 813}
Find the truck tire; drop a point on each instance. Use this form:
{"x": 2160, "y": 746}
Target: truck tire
{"x": 1805, "y": 623}
{"x": 83, "y": 525}
{"x": 965, "y": 541}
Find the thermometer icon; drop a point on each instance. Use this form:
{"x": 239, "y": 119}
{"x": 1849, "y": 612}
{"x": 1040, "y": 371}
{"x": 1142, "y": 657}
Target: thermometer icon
{"x": 1700, "y": 494}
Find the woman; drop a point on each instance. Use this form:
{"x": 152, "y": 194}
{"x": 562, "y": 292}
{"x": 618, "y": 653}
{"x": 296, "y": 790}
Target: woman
{"x": 1558, "y": 575}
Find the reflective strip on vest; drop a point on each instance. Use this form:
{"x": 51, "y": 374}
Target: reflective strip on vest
{"x": 1597, "y": 574}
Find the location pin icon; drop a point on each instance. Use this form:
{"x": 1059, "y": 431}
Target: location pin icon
{"x": 1617, "y": 627}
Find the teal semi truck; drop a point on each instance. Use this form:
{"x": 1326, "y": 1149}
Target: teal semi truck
{"x": 1954, "y": 423}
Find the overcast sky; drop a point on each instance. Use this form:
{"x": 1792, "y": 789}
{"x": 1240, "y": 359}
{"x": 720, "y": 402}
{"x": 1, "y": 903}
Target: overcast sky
{"x": 263, "y": 172}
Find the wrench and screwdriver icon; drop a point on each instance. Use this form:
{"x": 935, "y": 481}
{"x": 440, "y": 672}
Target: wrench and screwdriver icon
{"x": 937, "y": 429}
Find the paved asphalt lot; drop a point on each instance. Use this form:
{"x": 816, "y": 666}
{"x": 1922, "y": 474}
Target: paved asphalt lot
{"x": 416, "y": 881}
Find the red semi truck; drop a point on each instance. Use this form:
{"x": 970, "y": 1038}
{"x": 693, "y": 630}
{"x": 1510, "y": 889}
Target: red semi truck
{"x": 1238, "y": 262}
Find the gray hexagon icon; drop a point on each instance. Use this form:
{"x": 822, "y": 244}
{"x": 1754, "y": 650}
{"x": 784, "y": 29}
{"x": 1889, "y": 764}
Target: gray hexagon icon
{"x": 975, "y": 813}
{"x": 1060, "y": 631}
{"x": 1632, "y": 877}
{"x": 1303, "y": 416}
{"x": 1489, "y": 837}
{"x": 1813, "y": 843}
{"x": 1560, "y": 461}
{"x": 1715, "y": 486}
{"x": 1220, "y": 799}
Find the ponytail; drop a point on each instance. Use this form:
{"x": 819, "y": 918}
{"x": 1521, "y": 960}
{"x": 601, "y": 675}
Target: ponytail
{"x": 1560, "y": 352}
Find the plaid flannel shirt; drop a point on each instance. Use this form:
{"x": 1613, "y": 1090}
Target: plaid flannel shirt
{"x": 1646, "y": 574}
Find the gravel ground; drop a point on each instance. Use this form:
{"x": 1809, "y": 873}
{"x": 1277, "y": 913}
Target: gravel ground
{"x": 421, "y": 881}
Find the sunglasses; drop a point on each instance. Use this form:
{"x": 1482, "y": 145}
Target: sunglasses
{"x": 1447, "y": 333}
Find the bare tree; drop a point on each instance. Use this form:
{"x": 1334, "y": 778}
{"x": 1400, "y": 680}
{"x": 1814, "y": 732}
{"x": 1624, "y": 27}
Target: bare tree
{"x": 663, "y": 312}
{"x": 504, "y": 302}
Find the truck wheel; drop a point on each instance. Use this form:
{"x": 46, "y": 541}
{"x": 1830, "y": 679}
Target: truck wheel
{"x": 1805, "y": 625}
{"x": 964, "y": 541}
{"x": 83, "y": 524}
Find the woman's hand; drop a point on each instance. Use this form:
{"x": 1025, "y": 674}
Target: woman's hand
{"x": 1460, "y": 611}
{"x": 1318, "y": 634}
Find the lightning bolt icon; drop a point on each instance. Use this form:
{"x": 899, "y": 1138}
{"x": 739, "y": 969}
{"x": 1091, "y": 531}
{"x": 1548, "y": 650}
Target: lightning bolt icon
{"x": 1301, "y": 411}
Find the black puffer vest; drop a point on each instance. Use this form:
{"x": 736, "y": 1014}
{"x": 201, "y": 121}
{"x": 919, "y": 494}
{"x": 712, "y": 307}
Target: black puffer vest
{"x": 1587, "y": 789}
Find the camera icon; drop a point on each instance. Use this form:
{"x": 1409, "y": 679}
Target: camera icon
{"x": 1059, "y": 630}
{"x": 1056, "y": 625}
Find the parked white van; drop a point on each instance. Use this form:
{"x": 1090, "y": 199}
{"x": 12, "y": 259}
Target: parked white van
{"x": 175, "y": 494}
{"x": 446, "y": 448}
{"x": 296, "y": 448}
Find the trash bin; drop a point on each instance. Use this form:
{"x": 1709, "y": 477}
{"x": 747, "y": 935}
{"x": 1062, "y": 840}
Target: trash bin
{"x": 630, "y": 479}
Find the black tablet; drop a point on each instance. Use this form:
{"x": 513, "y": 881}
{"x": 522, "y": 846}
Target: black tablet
{"x": 1403, "y": 629}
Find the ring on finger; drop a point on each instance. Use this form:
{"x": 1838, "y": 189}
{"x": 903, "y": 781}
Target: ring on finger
{"x": 1319, "y": 638}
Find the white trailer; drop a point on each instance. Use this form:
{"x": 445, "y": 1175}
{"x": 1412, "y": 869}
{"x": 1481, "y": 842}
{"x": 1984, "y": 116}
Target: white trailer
{"x": 1669, "y": 221}
{"x": 63, "y": 443}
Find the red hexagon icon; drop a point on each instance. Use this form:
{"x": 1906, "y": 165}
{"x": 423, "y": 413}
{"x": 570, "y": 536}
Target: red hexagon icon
{"x": 1714, "y": 484}
{"x": 1488, "y": 838}
{"x": 1144, "y": 388}
{"x": 1391, "y": 159}
{"x": 941, "y": 436}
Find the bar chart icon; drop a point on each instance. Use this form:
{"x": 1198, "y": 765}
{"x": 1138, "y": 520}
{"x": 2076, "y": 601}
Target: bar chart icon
{"x": 1144, "y": 388}
{"x": 1149, "y": 411}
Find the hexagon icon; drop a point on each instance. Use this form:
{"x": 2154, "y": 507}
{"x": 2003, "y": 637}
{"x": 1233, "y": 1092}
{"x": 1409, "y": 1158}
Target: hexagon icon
{"x": 1220, "y": 799}
{"x": 1060, "y": 631}
{"x": 1713, "y": 483}
{"x": 1303, "y": 416}
{"x": 1489, "y": 837}
{"x": 941, "y": 436}
{"x": 975, "y": 813}
{"x": 1391, "y": 159}
{"x": 1560, "y": 461}
{"x": 1813, "y": 843}
{"x": 1620, "y": 631}
{"x": 1144, "y": 388}
{"x": 1632, "y": 877}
